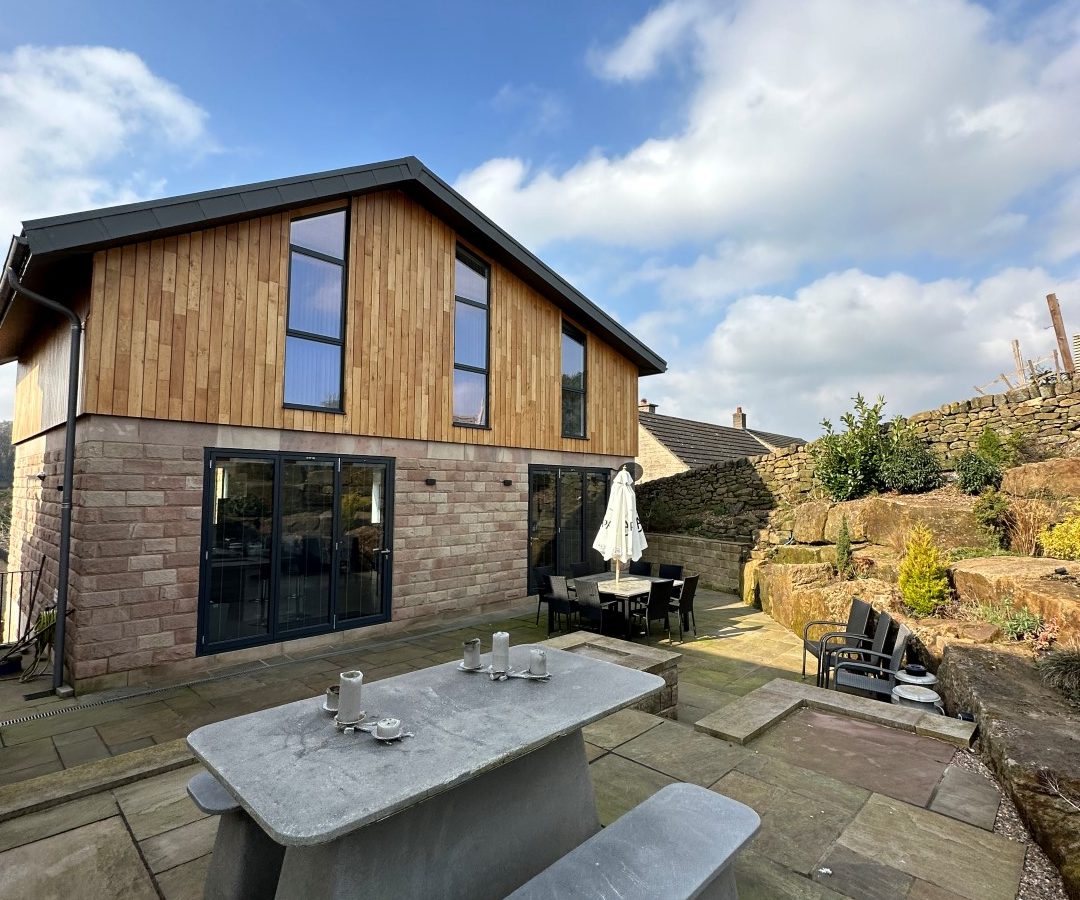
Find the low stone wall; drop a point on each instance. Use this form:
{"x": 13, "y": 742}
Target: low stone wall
{"x": 717, "y": 562}
{"x": 752, "y": 500}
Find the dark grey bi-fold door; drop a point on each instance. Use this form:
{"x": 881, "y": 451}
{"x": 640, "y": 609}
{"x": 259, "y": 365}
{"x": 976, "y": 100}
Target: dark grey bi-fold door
{"x": 566, "y": 508}
{"x": 293, "y": 545}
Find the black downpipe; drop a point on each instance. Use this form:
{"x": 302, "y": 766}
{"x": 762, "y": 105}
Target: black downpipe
{"x": 69, "y": 466}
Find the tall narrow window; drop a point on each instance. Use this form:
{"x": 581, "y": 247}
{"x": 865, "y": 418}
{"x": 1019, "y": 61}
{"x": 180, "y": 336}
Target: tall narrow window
{"x": 470, "y": 341}
{"x": 573, "y": 382}
{"x": 315, "y": 328}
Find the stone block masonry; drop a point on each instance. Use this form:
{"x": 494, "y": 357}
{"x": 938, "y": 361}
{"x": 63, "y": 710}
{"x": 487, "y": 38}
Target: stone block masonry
{"x": 717, "y": 562}
{"x": 459, "y": 546}
{"x": 752, "y": 500}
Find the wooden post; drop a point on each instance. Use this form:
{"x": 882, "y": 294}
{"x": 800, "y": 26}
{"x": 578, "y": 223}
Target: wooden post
{"x": 1018, "y": 360}
{"x": 1059, "y": 330}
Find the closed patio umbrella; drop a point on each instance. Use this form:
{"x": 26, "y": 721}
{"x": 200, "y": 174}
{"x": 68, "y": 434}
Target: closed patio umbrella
{"x": 621, "y": 537}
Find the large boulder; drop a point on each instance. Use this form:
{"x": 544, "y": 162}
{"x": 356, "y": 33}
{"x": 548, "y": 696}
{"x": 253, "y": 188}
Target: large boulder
{"x": 1054, "y": 477}
{"x": 810, "y": 519}
{"x": 803, "y": 553}
{"x": 1023, "y": 581}
{"x": 948, "y": 515}
{"x": 852, "y": 510}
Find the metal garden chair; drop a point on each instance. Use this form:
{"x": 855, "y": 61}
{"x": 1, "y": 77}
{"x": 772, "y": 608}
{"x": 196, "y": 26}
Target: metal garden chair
{"x": 854, "y": 628}
{"x": 876, "y": 678}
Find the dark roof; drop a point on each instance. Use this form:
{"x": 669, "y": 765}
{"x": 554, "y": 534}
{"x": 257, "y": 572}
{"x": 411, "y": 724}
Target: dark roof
{"x": 703, "y": 443}
{"x": 71, "y": 239}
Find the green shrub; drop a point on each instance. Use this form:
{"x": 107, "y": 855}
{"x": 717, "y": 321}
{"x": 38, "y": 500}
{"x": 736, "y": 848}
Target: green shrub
{"x": 1018, "y": 623}
{"x": 844, "y": 566}
{"x": 848, "y": 465}
{"x": 958, "y": 553}
{"x": 1003, "y": 453}
{"x": 975, "y": 473}
{"x": 1062, "y": 541}
{"x": 991, "y": 511}
{"x": 924, "y": 582}
{"x": 1061, "y": 670}
{"x": 908, "y": 465}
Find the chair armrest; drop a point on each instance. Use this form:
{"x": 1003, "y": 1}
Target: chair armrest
{"x": 809, "y": 625}
{"x": 851, "y": 666}
{"x": 846, "y": 635}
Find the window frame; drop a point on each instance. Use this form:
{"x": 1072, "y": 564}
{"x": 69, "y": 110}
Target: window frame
{"x": 476, "y": 263}
{"x": 574, "y": 333}
{"x": 343, "y": 262}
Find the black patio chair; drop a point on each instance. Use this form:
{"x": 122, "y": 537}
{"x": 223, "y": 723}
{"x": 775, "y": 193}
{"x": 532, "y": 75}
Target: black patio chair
{"x": 684, "y": 605}
{"x": 591, "y": 609}
{"x": 670, "y": 571}
{"x": 640, "y": 567}
{"x": 542, "y": 580}
{"x": 578, "y": 569}
{"x": 854, "y": 628}
{"x": 560, "y": 601}
{"x": 837, "y": 645}
{"x": 874, "y": 679}
{"x": 658, "y": 606}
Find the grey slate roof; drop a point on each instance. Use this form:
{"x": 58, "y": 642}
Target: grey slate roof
{"x": 51, "y": 243}
{"x": 703, "y": 443}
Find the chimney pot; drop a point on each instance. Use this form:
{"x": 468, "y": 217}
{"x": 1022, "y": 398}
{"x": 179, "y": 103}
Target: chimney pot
{"x": 738, "y": 420}
{"x": 645, "y": 406}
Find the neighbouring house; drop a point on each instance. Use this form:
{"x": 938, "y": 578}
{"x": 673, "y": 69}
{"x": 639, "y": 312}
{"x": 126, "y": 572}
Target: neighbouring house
{"x": 668, "y": 445}
{"x": 336, "y": 401}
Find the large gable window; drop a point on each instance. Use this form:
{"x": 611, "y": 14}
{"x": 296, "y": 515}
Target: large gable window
{"x": 315, "y": 328}
{"x": 470, "y": 341}
{"x": 573, "y": 382}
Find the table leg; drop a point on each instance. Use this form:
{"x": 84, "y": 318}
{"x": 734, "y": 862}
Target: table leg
{"x": 551, "y": 618}
{"x": 246, "y": 860}
{"x": 479, "y": 840}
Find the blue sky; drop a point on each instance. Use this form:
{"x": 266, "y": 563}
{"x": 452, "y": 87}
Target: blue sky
{"x": 791, "y": 200}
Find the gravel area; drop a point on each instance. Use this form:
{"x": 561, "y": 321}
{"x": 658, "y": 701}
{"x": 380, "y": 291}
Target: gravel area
{"x": 1040, "y": 880}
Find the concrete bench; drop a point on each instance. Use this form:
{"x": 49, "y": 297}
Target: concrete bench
{"x": 680, "y": 843}
{"x": 246, "y": 862}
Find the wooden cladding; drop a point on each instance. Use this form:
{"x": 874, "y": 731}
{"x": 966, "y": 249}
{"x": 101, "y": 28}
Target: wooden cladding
{"x": 192, "y": 328}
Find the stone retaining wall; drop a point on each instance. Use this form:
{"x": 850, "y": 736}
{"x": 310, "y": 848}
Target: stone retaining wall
{"x": 717, "y": 562}
{"x": 752, "y": 500}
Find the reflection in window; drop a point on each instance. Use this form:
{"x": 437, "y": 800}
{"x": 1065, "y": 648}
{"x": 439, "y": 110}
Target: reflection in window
{"x": 314, "y": 342}
{"x": 470, "y": 340}
{"x": 573, "y": 382}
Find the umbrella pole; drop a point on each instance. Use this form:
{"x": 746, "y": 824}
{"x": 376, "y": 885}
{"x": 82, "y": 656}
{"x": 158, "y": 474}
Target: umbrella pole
{"x": 617, "y": 563}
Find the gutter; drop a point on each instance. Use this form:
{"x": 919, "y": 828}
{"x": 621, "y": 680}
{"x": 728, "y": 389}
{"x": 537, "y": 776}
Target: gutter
{"x": 63, "y": 576}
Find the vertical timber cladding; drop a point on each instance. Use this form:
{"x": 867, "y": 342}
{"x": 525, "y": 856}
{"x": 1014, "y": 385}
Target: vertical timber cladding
{"x": 192, "y": 328}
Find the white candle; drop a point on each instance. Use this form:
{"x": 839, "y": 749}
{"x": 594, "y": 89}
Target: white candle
{"x": 500, "y": 652}
{"x": 472, "y": 654}
{"x": 349, "y": 697}
{"x": 537, "y": 662}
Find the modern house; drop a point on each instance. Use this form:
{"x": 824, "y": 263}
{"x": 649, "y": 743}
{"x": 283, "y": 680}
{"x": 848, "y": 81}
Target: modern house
{"x": 337, "y": 401}
{"x": 668, "y": 445}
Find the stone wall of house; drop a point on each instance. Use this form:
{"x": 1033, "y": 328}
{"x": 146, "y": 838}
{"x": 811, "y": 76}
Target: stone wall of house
{"x": 717, "y": 562}
{"x": 752, "y": 500}
{"x": 655, "y": 459}
{"x": 459, "y": 546}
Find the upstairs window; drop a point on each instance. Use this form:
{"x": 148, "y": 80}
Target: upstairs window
{"x": 470, "y": 341}
{"x": 573, "y": 382}
{"x": 315, "y": 326}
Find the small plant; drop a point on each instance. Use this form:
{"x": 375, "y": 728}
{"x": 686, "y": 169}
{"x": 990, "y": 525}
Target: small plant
{"x": 975, "y": 473}
{"x": 844, "y": 566}
{"x": 958, "y": 553}
{"x": 1018, "y": 623}
{"x": 1061, "y": 670}
{"x": 908, "y": 465}
{"x": 848, "y": 464}
{"x": 924, "y": 581}
{"x": 1062, "y": 541}
{"x": 1028, "y": 519}
{"x": 991, "y": 511}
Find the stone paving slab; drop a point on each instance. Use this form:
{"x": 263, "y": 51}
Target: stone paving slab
{"x": 93, "y": 862}
{"x": 159, "y": 804}
{"x": 620, "y": 785}
{"x": 759, "y": 878}
{"x": 798, "y": 780}
{"x": 683, "y": 754}
{"x": 616, "y": 729}
{"x": 954, "y": 731}
{"x": 749, "y": 716}
{"x": 967, "y": 796}
{"x": 180, "y": 845}
{"x": 854, "y": 875}
{"x": 44, "y": 824}
{"x": 934, "y": 848}
{"x": 184, "y": 882}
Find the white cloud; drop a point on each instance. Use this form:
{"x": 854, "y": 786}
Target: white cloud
{"x": 824, "y": 128}
{"x": 77, "y": 125}
{"x": 543, "y": 109}
{"x": 790, "y": 361}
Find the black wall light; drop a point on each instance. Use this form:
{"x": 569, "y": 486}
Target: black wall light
{"x": 430, "y": 482}
{"x": 507, "y": 482}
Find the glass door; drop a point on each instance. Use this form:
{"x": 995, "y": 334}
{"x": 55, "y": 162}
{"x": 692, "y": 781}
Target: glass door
{"x": 566, "y": 507}
{"x": 305, "y": 544}
{"x": 571, "y": 538}
{"x": 542, "y": 520}
{"x": 363, "y": 544}
{"x": 239, "y": 543}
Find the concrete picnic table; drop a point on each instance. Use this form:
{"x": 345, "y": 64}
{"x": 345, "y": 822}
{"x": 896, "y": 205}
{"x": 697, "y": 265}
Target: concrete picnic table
{"x": 492, "y": 789}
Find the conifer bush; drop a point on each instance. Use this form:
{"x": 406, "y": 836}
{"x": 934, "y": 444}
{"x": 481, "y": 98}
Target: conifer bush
{"x": 1062, "y": 541}
{"x": 924, "y": 581}
{"x": 843, "y": 550}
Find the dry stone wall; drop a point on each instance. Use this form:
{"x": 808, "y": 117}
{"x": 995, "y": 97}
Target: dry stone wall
{"x": 752, "y": 501}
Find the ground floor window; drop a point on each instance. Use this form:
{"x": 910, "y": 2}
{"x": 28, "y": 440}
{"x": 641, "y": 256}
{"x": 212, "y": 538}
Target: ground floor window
{"x": 293, "y": 545}
{"x": 566, "y": 508}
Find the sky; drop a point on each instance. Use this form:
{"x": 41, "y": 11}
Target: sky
{"x": 792, "y": 201}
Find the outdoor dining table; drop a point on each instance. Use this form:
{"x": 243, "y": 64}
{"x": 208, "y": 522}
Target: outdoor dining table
{"x": 492, "y": 787}
{"x": 628, "y": 589}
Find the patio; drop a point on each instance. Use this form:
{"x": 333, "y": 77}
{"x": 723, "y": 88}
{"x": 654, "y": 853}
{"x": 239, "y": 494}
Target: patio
{"x": 849, "y": 808}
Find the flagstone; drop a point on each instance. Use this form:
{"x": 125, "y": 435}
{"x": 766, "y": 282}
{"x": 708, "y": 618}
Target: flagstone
{"x": 854, "y": 875}
{"x": 84, "y": 751}
{"x": 798, "y": 780}
{"x": 159, "y": 804}
{"x": 682, "y": 754}
{"x": 35, "y": 826}
{"x": 748, "y": 716}
{"x": 185, "y": 882}
{"x": 954, "y": 855}
{"x": 759, "y": 878}
{"x": 620, "y": 727}
{"x": 967, "y": 796}
{"x": 180, "y": 845}
{"x": 93, "y": 861}
{"x": 620, "y": 784}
